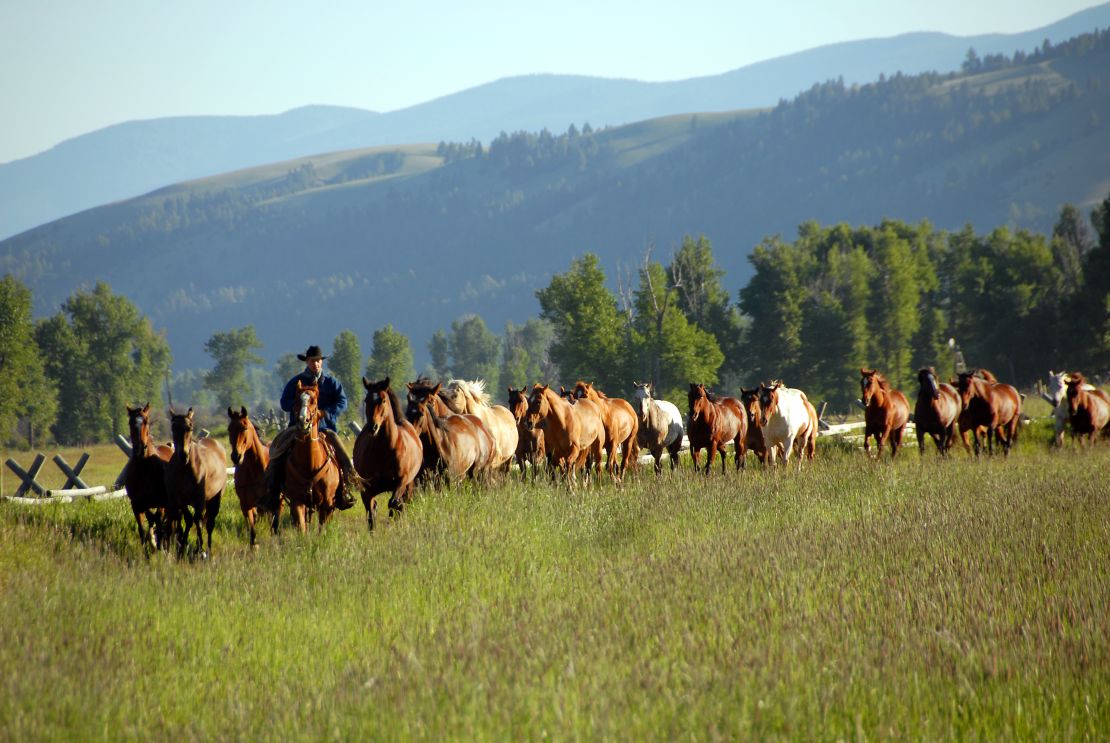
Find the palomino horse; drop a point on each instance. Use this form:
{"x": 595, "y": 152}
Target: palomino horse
{"x": 1088, "y": 412}
{"x": 712, "y": 424}
{"x": 530, "y": 448}
{"x": 660, "y": 426}
{"x": 993, "y": 406}
{"x": 250, "y": 457}
{"x": 571, "y": 432}
{"x": 462, "y": 444}
{"x": 388, "y": 453}
{"x": 886, "y": 412}
{"x": 145, "y": 479}
{"x": 621, "y": 427}
{"x": 195, "y": 478}
{"x": 749, "y": 402}
{"x": 1056, "y": 393}
{"x": 311, "y": 473}
{"x": 935, "y": 412}
{"x": 788, "y": 420}
{"x": 471, "y": 398}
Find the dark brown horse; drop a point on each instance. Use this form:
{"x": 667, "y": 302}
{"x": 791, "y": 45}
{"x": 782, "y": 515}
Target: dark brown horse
{"x": 311, "y": 473}
{"x": 145, "y": 479}
{"x": 195, "y": 478}
{"x": 530, "y": 448}
{"x": 712, "y": 424}
{"x": 995, "y": 407}
{"x": 462, "y": 444}
{"x": 966, "y": 421}
{"x": 1088, "y": 410}
{"x": 388, "y": 453}
{"x": 936, "y": 411}
{"x": 250, "y": 457}
{"x": 433, "y": 468}
{"x": 621, "y": 427}
{"x": 749, "y": 403}
{"x": 886, "y": 412}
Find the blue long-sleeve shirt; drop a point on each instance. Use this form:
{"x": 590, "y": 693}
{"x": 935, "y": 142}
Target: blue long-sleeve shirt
{"x": 332, "y": 400}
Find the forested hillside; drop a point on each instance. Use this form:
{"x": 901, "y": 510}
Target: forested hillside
{"x": 419, "y": 236}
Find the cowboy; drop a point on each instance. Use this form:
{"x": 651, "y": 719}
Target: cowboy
{"x": 332, "y": 401}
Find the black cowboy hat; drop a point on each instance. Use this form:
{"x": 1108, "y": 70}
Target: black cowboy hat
{"x": 313, "y": 352}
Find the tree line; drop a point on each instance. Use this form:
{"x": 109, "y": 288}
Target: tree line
{"x": 895, "y": 296}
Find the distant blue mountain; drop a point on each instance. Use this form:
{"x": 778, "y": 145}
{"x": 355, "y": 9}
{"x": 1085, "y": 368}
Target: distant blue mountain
{"x": 133, "y": 158}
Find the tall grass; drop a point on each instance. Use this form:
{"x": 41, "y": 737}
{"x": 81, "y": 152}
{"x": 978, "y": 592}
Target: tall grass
{"x": 923, "y": 599}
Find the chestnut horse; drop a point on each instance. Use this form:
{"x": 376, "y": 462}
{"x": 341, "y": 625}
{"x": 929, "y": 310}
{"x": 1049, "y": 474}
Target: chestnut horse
{"x": 1056, "y": 393}
{"x": 571, "y": 432}
{"x": 660, "y": 426}
{"x": 788, "y": 420}
{"x": 966, "y": 420}
{"x": 712, "y": 424}
{"x": 423, "y": 391}
{"x": 145, "y": 479}
{"x": 749, "y": 403}
{"x": 471, "y": 398}
{"x": 621, "y": 427}
{"x": 886, "y": 415}
{"x": 195, "y": 478}
{"x": 388, "y": 453}
{"x": 993, "y": 406}
{"x": 250, "y": 457}
{"x": 936, "y": 411}
{"x": 530, "y": 449}
{"x": 1089, "y": 412}
{"x": 462, "y": 444}
{"x": 311, "y": 473}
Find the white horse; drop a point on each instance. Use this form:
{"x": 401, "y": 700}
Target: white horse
{"x": 1056, "y": 393}
{"x": 788, "y": 420}
{"x": 660, "y": 426}
{"x": 471, "y": 397}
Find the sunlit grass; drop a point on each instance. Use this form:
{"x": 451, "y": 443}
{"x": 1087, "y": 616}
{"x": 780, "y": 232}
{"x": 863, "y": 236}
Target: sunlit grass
{"x": 924, "y": 599}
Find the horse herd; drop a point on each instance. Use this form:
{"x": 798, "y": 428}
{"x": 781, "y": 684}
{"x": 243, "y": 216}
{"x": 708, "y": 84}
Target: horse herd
{"x": 447, "y": 432}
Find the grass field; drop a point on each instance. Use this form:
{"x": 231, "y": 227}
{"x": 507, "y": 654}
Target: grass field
{"x": 853, "y": 599}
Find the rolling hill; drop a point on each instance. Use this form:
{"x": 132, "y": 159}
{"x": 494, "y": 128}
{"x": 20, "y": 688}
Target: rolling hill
{"x": 421, "y": 234}
{"x": 133, "y": 158}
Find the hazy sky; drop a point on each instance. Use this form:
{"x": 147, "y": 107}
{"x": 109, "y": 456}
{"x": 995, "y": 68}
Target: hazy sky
{"x": 69, "y": 67}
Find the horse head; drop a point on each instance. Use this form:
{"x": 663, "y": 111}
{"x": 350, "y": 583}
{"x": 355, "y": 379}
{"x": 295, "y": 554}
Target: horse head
{"x": 697, "y": 389}
{"x": 181, "y": 426}
{"x": 1057, "y": 386}
{"x": 379, "y": 404}
{"x": 138, "y": 421}
{"x": 582, "y": 390}
{"x": 539, "y": 406}
{"x": 308, "y": 412}
{"x": 768, "y": 401}
{"x": 239, "y": 427}
{"x": 454, "y": 396}
{"x": 1075, "y": 383}
{"x": 927, "y": 378}
{"x": 749, "y": 400}
{"x": 870, "y": 384}
{"x": 422, "y": 391}
{"x": 566, "y": 394}
{"x": 643, "y": 398}
{"x": 518, "y": 404}
{"x": 700, "y": 404}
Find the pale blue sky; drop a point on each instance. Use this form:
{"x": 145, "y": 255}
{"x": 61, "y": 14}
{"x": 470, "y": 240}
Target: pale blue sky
{"x": 67, "y": 68}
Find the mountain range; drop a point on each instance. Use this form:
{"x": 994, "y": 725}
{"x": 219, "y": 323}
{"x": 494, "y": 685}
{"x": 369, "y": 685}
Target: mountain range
{"x": 132, "y": 158}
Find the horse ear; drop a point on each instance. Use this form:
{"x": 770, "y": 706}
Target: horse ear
{"x": 243, "y": 410}
{"x": 366, "y": 383}
{"x": 230, "y": 412}
{"x": 146, "y": 409}
{"x": 189, "y": 415}
{"x": 435, "y": 390}
{"x": 386, "y": 382}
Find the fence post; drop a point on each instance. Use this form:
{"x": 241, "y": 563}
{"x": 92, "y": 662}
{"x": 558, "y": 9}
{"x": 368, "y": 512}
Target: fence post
{"x": 73, "y": 474}
{"x": 28, "y": 476}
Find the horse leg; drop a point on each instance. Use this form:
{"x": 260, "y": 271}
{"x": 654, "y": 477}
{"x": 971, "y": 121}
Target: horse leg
{"x": 741, "y": 450}
{"x": 142, "y": 532}
{"x": 896, "y": 441}
{"x": 867, "y": 433}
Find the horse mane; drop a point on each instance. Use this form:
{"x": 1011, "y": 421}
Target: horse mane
{"x": 985, "y": 375}
{"x": 398, "y": 416}
{"x": 1077, "y": 379}
{"x": 475, "y": 390}
{"x": 882, "y": 381}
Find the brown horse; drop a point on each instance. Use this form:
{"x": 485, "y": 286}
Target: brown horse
{"x": 195, "y": 478}
{"x": 250, "y": 457}
{"x": 936, "y": 411}
{"x": 461, "y": 442}
{"x": 471, "y": 398}
{"x": 995, "y": 407}
{"x": 1088, "y": 411}
{"x": 621, "y": 426}
{"x": 886, "y": 415}
{"x": 712, "y": 424}
{"x": 749, "y": 403}
{"x": 422, "y": 392}
{"x": 965, "y": 422}
{"x": 571, "y": 432}
{"x": 388, "y": 453}
{"x": 145, "y": 479}
{"x": 311, "y": 473}
{"x": 530, "y": 449}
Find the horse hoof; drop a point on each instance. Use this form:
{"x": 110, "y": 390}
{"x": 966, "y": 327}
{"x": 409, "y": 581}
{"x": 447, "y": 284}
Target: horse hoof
{"x": 203, "y": 555}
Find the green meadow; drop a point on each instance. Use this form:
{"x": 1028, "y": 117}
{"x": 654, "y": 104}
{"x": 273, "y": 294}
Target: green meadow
{"x": 851, "y": 599}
